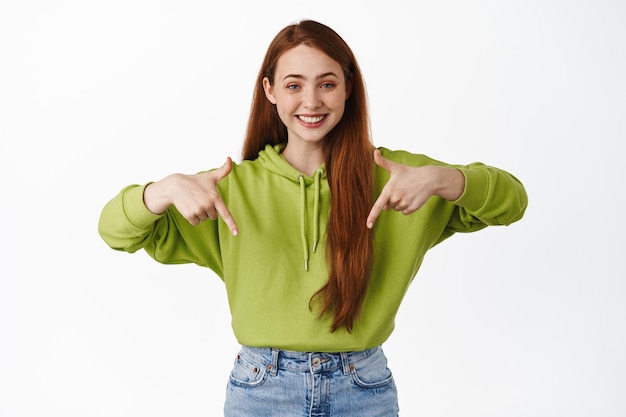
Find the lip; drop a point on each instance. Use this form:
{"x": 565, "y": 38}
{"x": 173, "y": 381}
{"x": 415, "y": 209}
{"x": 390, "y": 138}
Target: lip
{"x": 311, "y": 120}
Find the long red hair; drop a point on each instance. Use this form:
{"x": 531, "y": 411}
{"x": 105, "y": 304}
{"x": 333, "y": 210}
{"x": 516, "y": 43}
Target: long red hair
{"x": 349, "y": 165}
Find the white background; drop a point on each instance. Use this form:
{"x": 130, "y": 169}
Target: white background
{"x": 526, "y": 320}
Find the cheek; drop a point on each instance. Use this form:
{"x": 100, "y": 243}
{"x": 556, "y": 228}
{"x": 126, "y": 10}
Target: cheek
{"x": 287, "y": 106}
{"x": 340, "y": 108}
{"x": 284, "y": 103}
{"x": 284, "y": 113}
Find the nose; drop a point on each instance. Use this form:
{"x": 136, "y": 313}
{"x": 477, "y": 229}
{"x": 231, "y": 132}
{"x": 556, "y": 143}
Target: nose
{"x": 311, "y": 99}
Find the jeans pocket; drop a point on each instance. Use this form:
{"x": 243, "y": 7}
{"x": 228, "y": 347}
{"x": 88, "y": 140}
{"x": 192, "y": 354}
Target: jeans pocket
{"x": 371, "y": 372}
{"x": 247, "y": 374}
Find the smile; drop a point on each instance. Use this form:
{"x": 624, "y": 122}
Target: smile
{"x": 311, "y": 119}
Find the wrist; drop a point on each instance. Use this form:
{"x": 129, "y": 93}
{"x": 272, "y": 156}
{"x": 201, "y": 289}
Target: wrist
{"x": 156, "y": 197}
{"x": 450, "y": 183}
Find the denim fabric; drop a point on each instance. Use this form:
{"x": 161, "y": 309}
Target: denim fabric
{"x": 269, "y": 382}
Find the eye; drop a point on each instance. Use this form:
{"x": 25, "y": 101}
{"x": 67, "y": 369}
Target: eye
{"x": 327, "y": 86}
{"x": 293, "y": 87}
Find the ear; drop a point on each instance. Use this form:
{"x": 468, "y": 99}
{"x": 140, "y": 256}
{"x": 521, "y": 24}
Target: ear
{"x": 267, "y": 87}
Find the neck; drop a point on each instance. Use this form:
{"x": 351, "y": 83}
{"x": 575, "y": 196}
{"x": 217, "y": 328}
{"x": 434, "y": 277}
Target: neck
{"x": 305, "y": 160}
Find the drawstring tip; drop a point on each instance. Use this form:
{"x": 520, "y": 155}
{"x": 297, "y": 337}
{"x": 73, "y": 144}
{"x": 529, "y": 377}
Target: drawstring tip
{"x": 314, "y": 246}
{"x": 306, "y": 264}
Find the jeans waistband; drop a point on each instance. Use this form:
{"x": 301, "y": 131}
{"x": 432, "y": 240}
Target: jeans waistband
{"x": 277, "y": 359}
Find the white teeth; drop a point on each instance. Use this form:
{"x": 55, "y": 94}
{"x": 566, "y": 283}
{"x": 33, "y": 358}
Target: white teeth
{"x": 307, "y": 119}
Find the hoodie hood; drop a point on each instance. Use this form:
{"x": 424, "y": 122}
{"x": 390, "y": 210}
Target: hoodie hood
{"x": 272, "y": 160}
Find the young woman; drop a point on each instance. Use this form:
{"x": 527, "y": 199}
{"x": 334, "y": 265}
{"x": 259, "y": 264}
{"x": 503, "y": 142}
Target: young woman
{"x": 316, "y": 233}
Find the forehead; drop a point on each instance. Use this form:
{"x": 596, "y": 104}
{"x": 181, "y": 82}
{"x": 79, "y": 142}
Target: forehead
{"x": 306, "y": 61}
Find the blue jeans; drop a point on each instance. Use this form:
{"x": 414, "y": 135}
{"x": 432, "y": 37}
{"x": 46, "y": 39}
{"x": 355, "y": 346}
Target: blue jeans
{"x": 268, "y": 382}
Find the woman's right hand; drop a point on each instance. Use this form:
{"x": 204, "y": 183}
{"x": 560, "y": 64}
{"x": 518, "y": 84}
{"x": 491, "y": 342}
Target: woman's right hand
{"x": 195, "y": 196}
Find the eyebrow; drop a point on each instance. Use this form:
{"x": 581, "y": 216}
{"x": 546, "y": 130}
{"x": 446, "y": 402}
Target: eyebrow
{"x": 302, "y": 77}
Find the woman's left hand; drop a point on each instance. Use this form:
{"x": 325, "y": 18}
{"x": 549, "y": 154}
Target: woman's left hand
{"x": 409, "y": 187}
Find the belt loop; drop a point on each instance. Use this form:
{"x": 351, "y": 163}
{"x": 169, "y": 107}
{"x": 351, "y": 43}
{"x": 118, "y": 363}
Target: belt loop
{"x": 345, "y": 362}
{"x": 274, "y": 366}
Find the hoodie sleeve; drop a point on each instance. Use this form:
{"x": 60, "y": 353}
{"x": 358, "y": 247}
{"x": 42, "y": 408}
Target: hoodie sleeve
{"x": 127, "y": 225}
{"x": 491, "y": 197}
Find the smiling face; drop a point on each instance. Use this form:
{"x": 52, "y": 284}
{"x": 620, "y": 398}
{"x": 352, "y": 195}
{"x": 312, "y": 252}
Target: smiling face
{"x": 310, "y": 91}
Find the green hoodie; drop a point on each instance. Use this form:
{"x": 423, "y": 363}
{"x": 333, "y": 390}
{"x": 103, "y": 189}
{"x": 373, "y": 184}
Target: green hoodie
{"x": 277, "y": 262}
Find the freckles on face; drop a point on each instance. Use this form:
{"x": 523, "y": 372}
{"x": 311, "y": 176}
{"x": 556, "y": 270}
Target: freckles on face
{"x": 309, "y": 92}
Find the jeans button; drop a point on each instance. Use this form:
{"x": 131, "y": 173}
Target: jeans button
{"x": 316, "y": 362}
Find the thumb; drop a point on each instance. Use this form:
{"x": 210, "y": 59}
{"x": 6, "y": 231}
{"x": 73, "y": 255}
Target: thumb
{"x": 225, "y": 169}
{"x": 383, "y": 162}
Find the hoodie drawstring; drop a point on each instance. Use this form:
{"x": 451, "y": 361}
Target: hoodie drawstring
{"x": 316, "y": 202}
{"x": 316, "y": 208}
{"x": 305, "y": 248}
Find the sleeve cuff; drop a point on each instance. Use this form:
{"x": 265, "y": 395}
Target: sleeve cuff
{"x": 476, "y": 186}
{"x": 135, "y": 209}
